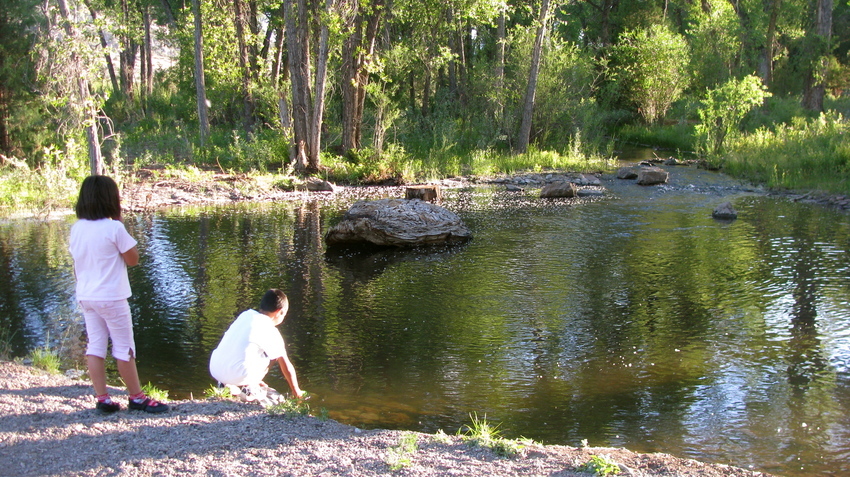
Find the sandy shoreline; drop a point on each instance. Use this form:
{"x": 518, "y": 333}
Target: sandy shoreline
{"x": 48, "y": 427}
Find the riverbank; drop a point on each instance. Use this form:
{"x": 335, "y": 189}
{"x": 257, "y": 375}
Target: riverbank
{"x": 49, "y": 428}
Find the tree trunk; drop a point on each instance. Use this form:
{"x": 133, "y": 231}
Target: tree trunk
{"x": 147, "y": 58}
{"x": 501, "y": 41}
{"x": 109, "y": 66}
{"x": 297, "y": 31}
{"x": 247, "y": 95}
{"x": 814, "y": 87}
{"x": 127, "y": 55}
{"x": 357, "y": 52}
{"x": 200, "y": 82}
{"x": 5, "y": 140}
{"x": 315, "y": 139}
{"x": 83, "y": 98}
{"x": 528, "y": 108}
{"x": 766, "y": 63}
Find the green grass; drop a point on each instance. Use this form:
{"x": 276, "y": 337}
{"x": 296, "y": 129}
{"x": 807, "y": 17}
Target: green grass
{"x": 600, "y": 466}
{"x": 46, "y": 359}
{"x": 484, "y": 434}
{"x": 155, "y": 393}
{"x": 6, "y": 337}
{"x": 679, "y": 136}
{"x": 401, "y": 455}
{"x": 215, "y": 392}
{"x": 808, "y": 154}
{"x": 290, "y": 407}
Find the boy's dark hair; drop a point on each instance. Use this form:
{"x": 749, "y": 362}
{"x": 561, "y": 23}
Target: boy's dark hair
{"x": 274, "y": 300}
{"x": 99, "y": 199}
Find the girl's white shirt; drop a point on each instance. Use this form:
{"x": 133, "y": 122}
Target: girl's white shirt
{"x": 96, "y": 246}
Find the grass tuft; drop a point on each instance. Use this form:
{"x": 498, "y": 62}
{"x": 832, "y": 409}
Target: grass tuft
{"x": 155, "y": 393}
{"x": 215, "y": 392}
{"x": 481, "y": 433}
{"x": 401, "y": 456}
{"x": 600, "y": 466}
{"x": 46, "y": 359}
{"x": 290, "y": 408}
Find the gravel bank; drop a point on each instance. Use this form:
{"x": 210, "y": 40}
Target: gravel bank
{"x": 48, "y": 427}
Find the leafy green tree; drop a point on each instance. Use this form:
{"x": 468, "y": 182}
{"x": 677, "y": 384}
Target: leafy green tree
{"x": 17, "y": 75}
{"x": 652, "y": 69}
{"x": 724, "y": 108}
{"x": 715, "y": 44}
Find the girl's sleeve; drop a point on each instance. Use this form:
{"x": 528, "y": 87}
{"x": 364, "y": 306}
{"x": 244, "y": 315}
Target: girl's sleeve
{"x": 123, "y": 240}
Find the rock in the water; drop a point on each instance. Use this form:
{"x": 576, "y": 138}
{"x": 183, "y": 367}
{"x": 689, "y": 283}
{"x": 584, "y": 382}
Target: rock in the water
{"x": 399, "y": 223}
{"x": 591, "y": 193}
{"x": 429, "y": 193}
{"x": 558, "y": 189}
{"x": 652, "y": 176}
{"x": 314, "y": 184}
{"x": 725, "y": 211}
{"x": 588, "y": 180}
{"x": 626, "y": 173}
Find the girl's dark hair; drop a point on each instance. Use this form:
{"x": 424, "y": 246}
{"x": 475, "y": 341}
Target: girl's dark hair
{"x": 99, "y": 199}
{"x": 274, "y": 300}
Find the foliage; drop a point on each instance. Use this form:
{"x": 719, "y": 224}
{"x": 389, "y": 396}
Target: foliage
{"x": 481, "y": 433}
{"x": 51, "y": 186}
{"x": 806, "y": 154}
{"x": 600, "y": 466}
{"x": 6, "y": 336}
{"x": 46, "y": 359}
{"x": 441, "y": 437}
{"x": 724, "y": 108}
{"x": 289, "y": 408}
{"x": 154, "y": 392}
{"x": 679, "y": 136}
{"x": 715, "y": 41}
{"x": 216, "y": 392}
{"x": 651, "y": 64}
{"x": 401, "y": 456}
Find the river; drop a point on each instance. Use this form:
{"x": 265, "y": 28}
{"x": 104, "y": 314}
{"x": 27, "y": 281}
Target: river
{"x": 631, "y": 320}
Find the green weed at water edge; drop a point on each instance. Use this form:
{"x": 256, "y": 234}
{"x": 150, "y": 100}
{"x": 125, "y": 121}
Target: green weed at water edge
{"x": 215, "y": 392}
{"x": 401, "y": 456}
{"x": 484, "y": 434}
{"x": 155, "y": 393}
{"x": 600, "y": 466}
{"x": 46, "y": 359}
{"x": 290, "y": 407}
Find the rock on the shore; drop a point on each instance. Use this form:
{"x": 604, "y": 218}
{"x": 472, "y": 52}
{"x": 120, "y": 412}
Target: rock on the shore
{"x": 398, "y": 223}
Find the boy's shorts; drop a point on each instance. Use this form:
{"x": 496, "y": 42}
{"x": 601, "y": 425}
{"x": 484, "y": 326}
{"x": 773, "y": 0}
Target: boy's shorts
{"x": 105, "y": 320}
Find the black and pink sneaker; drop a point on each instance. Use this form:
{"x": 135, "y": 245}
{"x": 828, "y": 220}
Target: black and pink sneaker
{"x": 147, "y": 405}
{"x": 107, "y": 407}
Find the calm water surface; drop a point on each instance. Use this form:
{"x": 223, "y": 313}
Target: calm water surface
{"x": 635, "y": 320}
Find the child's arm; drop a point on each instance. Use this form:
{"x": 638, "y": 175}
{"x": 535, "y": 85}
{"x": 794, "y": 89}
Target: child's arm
{"x": 131, "y": 257}
{"x": 288, "y": 372}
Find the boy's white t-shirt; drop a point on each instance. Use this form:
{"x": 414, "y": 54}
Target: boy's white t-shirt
{"x": 246, "y": 349}
{"x": 96, "y": 246}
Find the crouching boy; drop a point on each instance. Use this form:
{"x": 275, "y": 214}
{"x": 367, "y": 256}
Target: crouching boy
{"x": 248, "y": 347}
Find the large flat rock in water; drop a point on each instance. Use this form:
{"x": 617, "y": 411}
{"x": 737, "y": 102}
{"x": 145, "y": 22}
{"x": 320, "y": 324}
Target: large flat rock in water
{"x": 398, "y": 223}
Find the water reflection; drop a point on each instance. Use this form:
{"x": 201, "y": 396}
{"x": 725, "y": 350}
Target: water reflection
{"x": 636, "y": 320}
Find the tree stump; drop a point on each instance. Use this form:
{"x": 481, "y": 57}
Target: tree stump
{"x": 427, "y": 193}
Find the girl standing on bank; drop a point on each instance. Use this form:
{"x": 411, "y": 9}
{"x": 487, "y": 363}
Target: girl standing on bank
{"x": 102, "y": 250}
